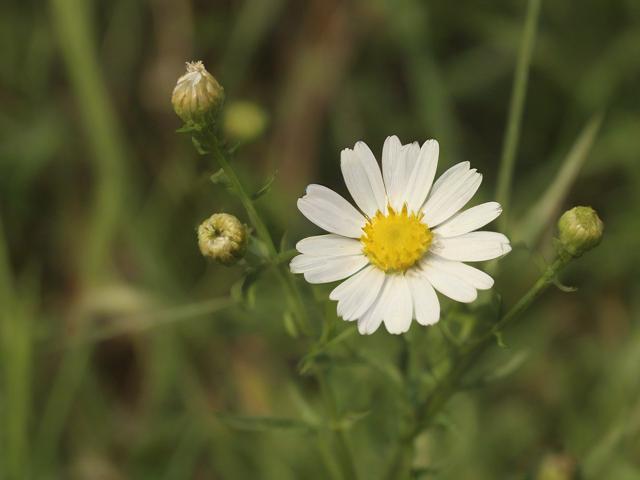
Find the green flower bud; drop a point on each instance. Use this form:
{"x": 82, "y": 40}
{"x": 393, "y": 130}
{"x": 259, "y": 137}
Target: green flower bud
{"x": 580, "y": 230}
{"x": 197, "y": 97}
{"x": 222, "y": 237}
{"x": 558, "y": 467}
{"x": 244, "y": 121}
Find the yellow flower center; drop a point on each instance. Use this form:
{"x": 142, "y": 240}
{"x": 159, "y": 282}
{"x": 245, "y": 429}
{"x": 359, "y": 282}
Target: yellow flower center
{"x": 396, "y": 241}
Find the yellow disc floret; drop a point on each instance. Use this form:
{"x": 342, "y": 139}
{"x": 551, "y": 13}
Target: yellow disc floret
{"x": 395, "y": 241}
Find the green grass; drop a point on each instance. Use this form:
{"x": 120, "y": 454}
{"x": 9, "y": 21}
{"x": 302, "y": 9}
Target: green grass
{"x": 124, "y": 354}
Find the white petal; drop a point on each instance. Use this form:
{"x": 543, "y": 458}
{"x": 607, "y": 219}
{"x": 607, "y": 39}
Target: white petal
{"x": 451, "y": 196}
{"x": 329, "y": 245}
{"x": 411, "y": 152}
{"x": 422, "y": 175}
{"x": 363, "y": 178}
{"x": 448, "y": 284}
{"x": 471, "y": 275}
{"x": 331, "y": 212}
{"x": 470, "y": 220}
{"x": 426, "y": 306}
{"x": 399, "y": 310}
{"x": 471, "y": 247}
{"x": 444, "y": 178}
{"x": 356, "y": 294}
{"x": 372, "y": 318}
{"x": 327, "y": 269}
{"x": 394, "y": 170}
{"x": 390, "y": 151}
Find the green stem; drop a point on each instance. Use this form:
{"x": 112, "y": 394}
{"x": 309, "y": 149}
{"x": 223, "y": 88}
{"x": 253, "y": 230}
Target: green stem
{"x": 468, "y": 355}
{"x": 263, "y": 234}
{"x": 345, "y": 459}
{"x": 518, "y": 93}
{"x": 293, "y": 294}
{"x": 400, "y": 465}
{"x": 245, "y": 199}
{"x": 16, "y": 369}
{"x": 471, "y": 352}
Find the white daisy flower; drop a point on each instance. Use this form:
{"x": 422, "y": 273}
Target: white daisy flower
{"x": 407, "y": 241}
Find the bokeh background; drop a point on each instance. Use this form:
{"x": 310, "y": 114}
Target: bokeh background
{"x": 120, "y": 345}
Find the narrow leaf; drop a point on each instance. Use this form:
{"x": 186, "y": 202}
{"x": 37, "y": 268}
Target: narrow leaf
{"x": 266, "y": 187}
{"x": 220, "y": 178}
{"x": 510, "y": 366}
{"x": 290, "y": 324}
{"x": 263, "y": 424}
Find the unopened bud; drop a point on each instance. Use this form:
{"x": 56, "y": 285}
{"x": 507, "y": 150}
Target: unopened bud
{"x": 580, "y": 229}
{"x": 558, "y": 467}
{"x": 244, "y": 121}
{"x": 197, "y": 97}
{"x": 223, "y": 238}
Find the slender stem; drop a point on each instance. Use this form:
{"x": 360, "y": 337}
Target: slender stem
{"x": 263, "y": 233}
{"x": 518, "y": 93}
{"x": 16, "y": 369}
{"x": 467, "y": 356}
{"x": 343, "y": 451}
{"x": 245, "y": 199}
{"x": 400, "y": 465}
{"x": 347, "y": 465}
{"x": 470, "y": 353}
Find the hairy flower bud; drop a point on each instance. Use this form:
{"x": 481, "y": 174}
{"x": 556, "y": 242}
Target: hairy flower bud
{"x": 222, "y": 237}
{"x": 197, "y": 97}
{"x": 580, "y": 230}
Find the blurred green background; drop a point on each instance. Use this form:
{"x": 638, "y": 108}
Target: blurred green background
{"x": 120, "y": 344}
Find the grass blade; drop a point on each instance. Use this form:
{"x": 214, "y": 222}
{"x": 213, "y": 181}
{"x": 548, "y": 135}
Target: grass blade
{"x": 516, "y": 108}
{"x": 546, "y": 209}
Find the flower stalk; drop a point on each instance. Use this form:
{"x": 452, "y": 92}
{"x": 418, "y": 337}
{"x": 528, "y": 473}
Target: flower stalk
{"x": 346, "y": 463}
{"x": 465, "y": 358}
{"x": 263, "y": 234}
{"x": 347, "y": 466}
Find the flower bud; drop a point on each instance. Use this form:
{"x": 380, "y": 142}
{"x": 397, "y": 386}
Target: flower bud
{"x": 222, "y": 237}
{"x": 197, "y": 97}
{"x": 580, "y": 230}
{"x": 558, "y": 467}
{"x": 244, "y": 121}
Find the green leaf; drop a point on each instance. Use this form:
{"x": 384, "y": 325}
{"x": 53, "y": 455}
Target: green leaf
{"x": 266, "y": 187}
{"x": 284, "y": 257}
{"x": 200, "y": 147}
{"x": 318, "y": 352}
{"x": 284, "y": 241}
{"x": 290, "y": 324}
{"x": 514, "y": 363}
{"x": 244, "y": 289}
{"x": 188, "y": 128}
{"x": 546, "y": 209}
{"x": 562, "y": 287}
{"x": 258, "y": 248}
{"x": 500, "y": 339}
{"x": 220, "y": 178}
{"x": 387, "y": 368}
{"x": 349, "y": 419}
{"x": 445, "y": 422}
{"x": 263, "y": 424}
